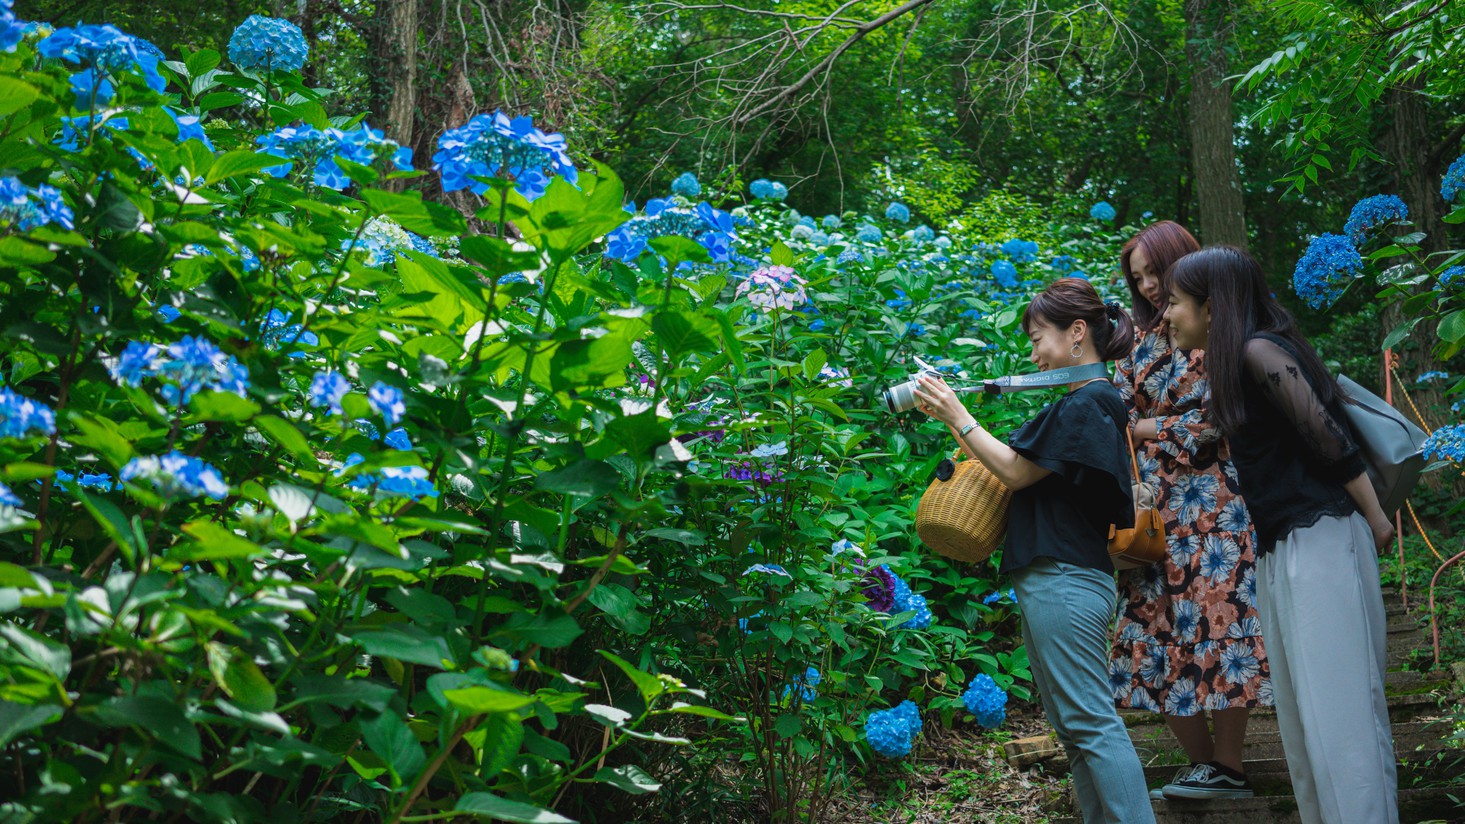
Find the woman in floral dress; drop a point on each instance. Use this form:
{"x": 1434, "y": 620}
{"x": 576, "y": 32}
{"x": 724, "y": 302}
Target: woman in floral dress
{"x": 1188, "y": 638}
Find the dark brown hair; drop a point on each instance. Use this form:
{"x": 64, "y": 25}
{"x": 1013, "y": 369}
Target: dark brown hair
{"x": 1164, "y": 243}
{"x": 1242, "y": 307}
{"x": 1069, "y": 299}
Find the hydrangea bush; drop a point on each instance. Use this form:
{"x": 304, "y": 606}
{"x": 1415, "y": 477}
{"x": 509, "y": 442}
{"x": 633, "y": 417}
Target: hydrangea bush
{"x": 315, "y": 503}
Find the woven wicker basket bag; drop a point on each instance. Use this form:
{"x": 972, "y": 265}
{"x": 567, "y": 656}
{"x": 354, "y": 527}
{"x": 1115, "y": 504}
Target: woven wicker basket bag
{"x": 964, "y": 516}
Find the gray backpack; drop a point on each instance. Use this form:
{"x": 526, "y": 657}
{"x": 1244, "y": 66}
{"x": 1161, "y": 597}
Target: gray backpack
{"x": 1392, "y": 448}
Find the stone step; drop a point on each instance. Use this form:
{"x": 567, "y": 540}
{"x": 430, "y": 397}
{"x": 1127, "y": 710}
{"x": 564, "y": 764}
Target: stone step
{"x": 1415, "y": 805}
{"x": 1267, "y": 768}
{"x": 1164, "y": 753}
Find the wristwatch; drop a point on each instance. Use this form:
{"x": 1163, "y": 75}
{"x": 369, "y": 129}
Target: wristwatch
{"x": 961, "y": 433}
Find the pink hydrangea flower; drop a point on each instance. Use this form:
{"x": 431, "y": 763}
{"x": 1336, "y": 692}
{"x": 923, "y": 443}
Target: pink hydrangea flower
{"x": 774, "y": 287}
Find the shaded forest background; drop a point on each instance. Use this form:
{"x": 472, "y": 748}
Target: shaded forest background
{"x": 959, "y": 109}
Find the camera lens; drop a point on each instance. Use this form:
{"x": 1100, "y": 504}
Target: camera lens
{"x": 899, "y": 398}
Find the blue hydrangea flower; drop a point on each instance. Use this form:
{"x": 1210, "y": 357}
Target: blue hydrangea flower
{"x": 277, "y": 331}
{"x": 386, "y": 401}
{"x": 107, "y": 49}
{"x": 767, "y": 569}
{"x": 1452, "y": 277}
{"x": 327, "y": 389}
{"x": 923, "y": 234}
{"x": 1446, "y": 443}
{"x": 190, "y": 128}
{"x": 1329, "y": 264}
{"x": 1102, "y": 211}
{"x": 1004, "y": 273}
{"x": 831, "y": 222}
{"x": 1020, "y": 251}
{"x": 194, "y": 364}
{"x": 915, "y": 329}
{"x": 850, "y": 256}
{"x": 21, "y": 417}
{"x": 11, "y": 29}
{"x": 92, "y": 89}
{"x": 900, "y": 301}
{"x": 1001, "y": 595}
{"x": 805, "y": 684}
{"x": 168, "y": 313}
{"x": 1430, "y": 377}
{"x": 1063, "y": 264}
{"x": 1454, "y": 181}
{"x": 985, "y": 700}
{"x": 91, "y": 480}
{"x": 498, "y": 146}
{"x": 268, "y": 44}
{"x": 398, "y": 439}
{"x": 318, "y": 149}
{"x": 7, "y": 497}
{"x": 891, "y": 732}
{"x": 393, "y": 482}
{"x": 1373, "y": 213}
{"x": 762, "y": 188}
{"x": 29, "y": 208}
{"x": 770, "y": 450}
{"x": 177, "y": 474}
{"x": 868, "y": 234}
{"x": 898, "y": 212}
{"x": 923, "y": 617}
{"x": 686, "y": 185}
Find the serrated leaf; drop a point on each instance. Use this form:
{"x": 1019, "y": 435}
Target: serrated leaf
{"x": 647, "y": 684}
{"x": 630, "y": 778}
{"x": 493, "y": 807}
{"x": 480, "y": 700}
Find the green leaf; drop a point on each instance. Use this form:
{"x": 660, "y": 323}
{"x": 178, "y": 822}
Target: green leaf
{"x": 221, "y": 100}
{"x": 38, "y": 650}
{"x": 19, "y": 718}
{"x": 678, "y": 250}
{"x": 681, "y": 333}
{"x": 286, "y": 435}
{"x": 503, "y": 736}
{"x": 781, "y": 255}
{"x": 1452, "y": 328}
{"x": 159, "y": 718}
{"x": 16, "y": 95}
{"x": 112, "y": 520}
{"x": 201, "y": 61}
{"x": 585, "y": 477}
{"x": 480, "y": 700}
{"x": 639, "y": 434}
{"x": 389, "y": 737}
{"x": 630, "y": 778}
{"x": 232, "y": 164}
{"x": 706, "y": 712}
{"x": 17, "y": 252}
{"x": 590, "y": 363}
{"x": 551, "y": 629}
{"x": 214, "y": 542}
{"x": 647, "y": 684}
{"x": 222, "y": 406}
{"x": 241, "y": 678}
{"x": 813, "y": 362}
{"x": 493, "y": 807}
{"x": 1399, "y": 333}
{"x": 788, "y": 725}
{"x": 405, "y": 643}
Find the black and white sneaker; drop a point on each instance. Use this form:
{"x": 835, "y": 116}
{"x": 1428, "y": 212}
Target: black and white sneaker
{"x": 1181, "y": 774}
{"x": 1209, "y": 781}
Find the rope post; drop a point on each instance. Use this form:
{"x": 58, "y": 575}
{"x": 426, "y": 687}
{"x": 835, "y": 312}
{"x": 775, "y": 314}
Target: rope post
{"x": 1398, "y": 516}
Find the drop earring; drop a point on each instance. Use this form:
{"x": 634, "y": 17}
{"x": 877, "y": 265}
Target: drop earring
{"x": 1076, "y": 352}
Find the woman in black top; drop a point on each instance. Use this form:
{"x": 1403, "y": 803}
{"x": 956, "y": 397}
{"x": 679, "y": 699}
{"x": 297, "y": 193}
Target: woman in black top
{"x": 1070, "y": 477}
{"x": 1318, "y": 525}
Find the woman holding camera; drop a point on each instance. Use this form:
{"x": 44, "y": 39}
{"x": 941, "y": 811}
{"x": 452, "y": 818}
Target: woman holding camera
{"x": 1318, "y": 527}
{"x": 1070, "y": 479}
{"x": 1188, "y": 638}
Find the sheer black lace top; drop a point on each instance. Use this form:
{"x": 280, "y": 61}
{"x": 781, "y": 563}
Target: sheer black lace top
{"x": 1294, "y": 453}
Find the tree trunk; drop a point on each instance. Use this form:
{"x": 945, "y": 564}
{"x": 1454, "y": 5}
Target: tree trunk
{"x": 1212, "y": 131}
{"x": 1409, "y": 143}
{"x": 393, "y": 61}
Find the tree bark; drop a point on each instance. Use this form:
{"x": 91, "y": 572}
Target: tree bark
{"x": 1212, "y": 130}
{"x": 394, "y": 63}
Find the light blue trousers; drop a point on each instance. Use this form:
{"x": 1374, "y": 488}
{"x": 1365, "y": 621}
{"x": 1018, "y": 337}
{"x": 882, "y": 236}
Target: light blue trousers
{"x": 1066, "y": 610}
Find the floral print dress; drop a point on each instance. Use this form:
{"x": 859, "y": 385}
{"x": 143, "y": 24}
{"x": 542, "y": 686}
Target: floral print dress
{"x": 1188, "y": 637}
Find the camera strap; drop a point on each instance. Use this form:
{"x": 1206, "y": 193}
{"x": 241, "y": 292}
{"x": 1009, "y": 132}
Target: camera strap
{"x": 1042, "y": 380}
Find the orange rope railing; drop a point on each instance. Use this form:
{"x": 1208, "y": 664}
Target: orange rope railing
{"x": 1390, "y": 375}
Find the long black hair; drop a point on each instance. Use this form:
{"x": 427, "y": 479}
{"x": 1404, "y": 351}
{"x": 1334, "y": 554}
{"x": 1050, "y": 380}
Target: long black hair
{"x": 1242, "y": 306}
{"x": 1069, "y": 299}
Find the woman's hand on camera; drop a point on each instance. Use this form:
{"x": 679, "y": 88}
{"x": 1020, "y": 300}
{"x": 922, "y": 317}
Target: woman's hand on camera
{"x": 939, "y": 401}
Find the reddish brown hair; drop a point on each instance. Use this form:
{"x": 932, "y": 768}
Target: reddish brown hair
{"x": 1069, "y": 299}
{"x": 1164, "y": 243}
